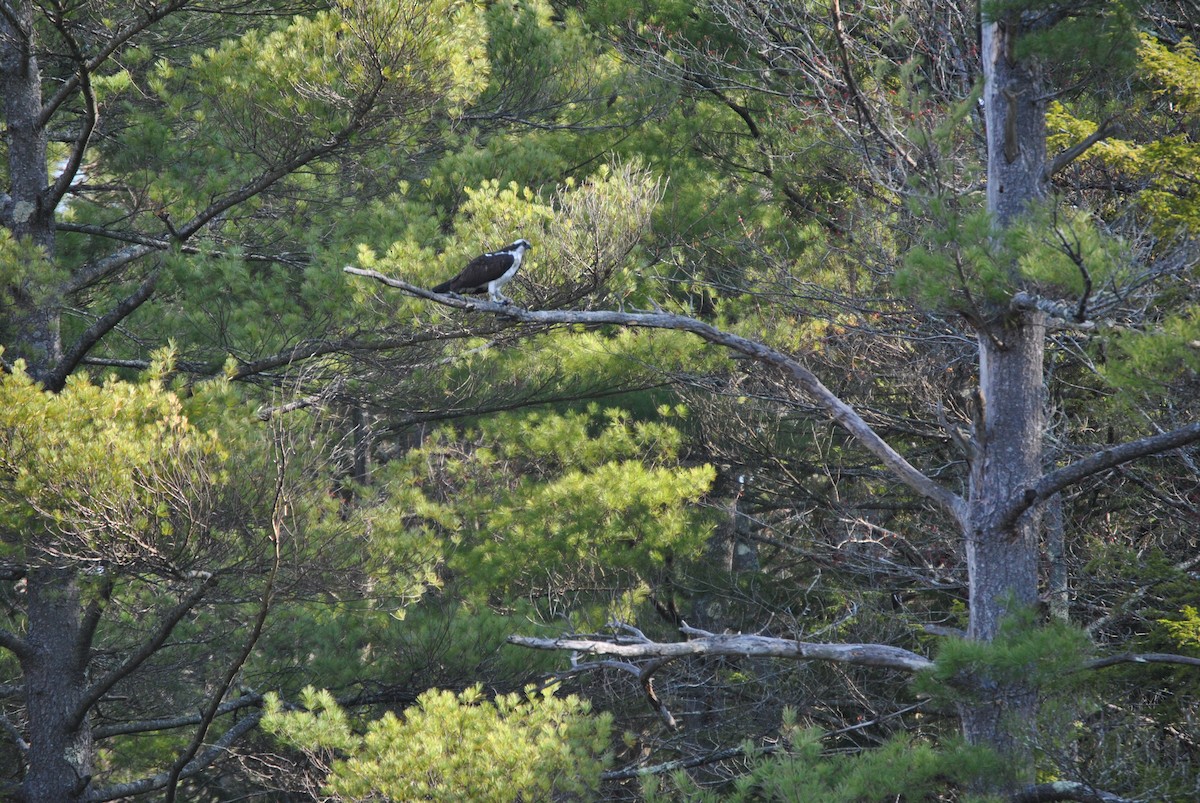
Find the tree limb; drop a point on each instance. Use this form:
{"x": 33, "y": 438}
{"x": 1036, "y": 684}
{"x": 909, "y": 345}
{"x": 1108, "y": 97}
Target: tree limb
{"x": 1066, "y": 790}
{"x": 834, "y": 406}
{"x": 94, "y": 271}
{"x": 1069, "y": 475}
{"x": 195, "y": 766}
{"x": 878, "y": 655}
{"x": 91, "y": 114}
{"x": 1103, "y": 131}
{"x": 91, "y": 620}
{"x": 68, "y": 87}
{"x": 101, "y": 687}
{"x": 15, "y": 644}
{"x": 161, "y": 244}
{"x": 685, "y": 763}
{"x": 169, "y": 723}
{"x": 278, "y": 507}
{"x": 1142, "y": 658}
{"x": 852, "y": 85}
{"x": 101, "y": 327}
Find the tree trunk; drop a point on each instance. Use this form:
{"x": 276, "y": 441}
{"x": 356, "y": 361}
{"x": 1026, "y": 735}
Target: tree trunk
{"x": 61, "y": 752}
{"x": 25, "y": 210}
{"x": 1002, "y": 558}
{"x": 1002, "y": 555}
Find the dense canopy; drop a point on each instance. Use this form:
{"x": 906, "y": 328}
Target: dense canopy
{"x": 837, "y": 439}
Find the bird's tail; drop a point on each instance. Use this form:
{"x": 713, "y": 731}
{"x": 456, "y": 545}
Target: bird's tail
{"x": 441, "y": 288}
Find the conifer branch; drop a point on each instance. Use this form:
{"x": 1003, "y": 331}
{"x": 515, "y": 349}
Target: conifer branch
{"x": 101, "y": 687}
{"x": 154, "y": 14}
{"x": 101, "y": 327}
{"x": 91, "y": 113}
{"x": 1064, "y": 159}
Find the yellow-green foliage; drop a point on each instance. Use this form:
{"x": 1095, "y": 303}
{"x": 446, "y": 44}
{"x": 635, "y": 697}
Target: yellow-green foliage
{"x": 1185, "y": 631}
{"x": 1167, "y": 165}
{"x": 455, "y": 747}
{"x": 583, "y": 236}
{"x": 568, "y": 495}
{"x": 1158, "y": 356}
{"x": 268, "y": 98}
{"x": 113, "y": 471}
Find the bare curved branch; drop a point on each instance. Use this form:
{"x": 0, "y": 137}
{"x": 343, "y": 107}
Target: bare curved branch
{"x": 195, "y": 766}
{"x": 169, "y": 723}
{"x": 841, "y": 412}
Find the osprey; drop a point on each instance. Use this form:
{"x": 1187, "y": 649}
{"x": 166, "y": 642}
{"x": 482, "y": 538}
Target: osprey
{"x": 488, "y": 272}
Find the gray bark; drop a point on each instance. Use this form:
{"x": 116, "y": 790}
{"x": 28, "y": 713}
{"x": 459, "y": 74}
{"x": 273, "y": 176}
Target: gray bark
{"x": 25, "y": 207}
{"x": 1001, "y": 549}
{"x": 61, "y": 753}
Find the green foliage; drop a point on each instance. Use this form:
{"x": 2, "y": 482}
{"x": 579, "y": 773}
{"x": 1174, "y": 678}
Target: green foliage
{"x": 565, "y": 494}
{"x": 964, "y": 265}
{"x": 1165, "y": 162}
{"x": 902, "y": 768}
{"x": 450, "y": 746}
{"x": 1149, "y": 360}
{"x": 1186, "y": 629}
{"x": 1095, "y": 32}
{"x": 1040, "y": 657}
{"x": 113, "y": 472}
{"x": 25, "y": 266}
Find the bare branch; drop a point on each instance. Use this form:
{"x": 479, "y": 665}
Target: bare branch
{"x": 14, "y": 735}
{"x": 195, "y": 766}
{"x": 293, "y": 259}
{"x": 149, "y": 648}
{"x": 91, "y": 620}
{"x": 834, "y": 406}
{"x": 839, "y": 31}
{"x": 750, "y": 646}
{"x": 1065, "y": 477}
{"x": 102, "y": 326}
{"x": 14, "y": 643}
{"x": 169, "y": 723}
{"x": 1142, "y": 658}
{"x": 1066, "y": 790}
{"x": 278, "y": 506}
{"x": 685, "y": 763}
{"x": 1103, "y": 131}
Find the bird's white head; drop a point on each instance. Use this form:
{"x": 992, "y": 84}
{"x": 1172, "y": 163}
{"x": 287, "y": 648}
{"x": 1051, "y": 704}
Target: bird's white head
{"x": 521, "y": 245}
